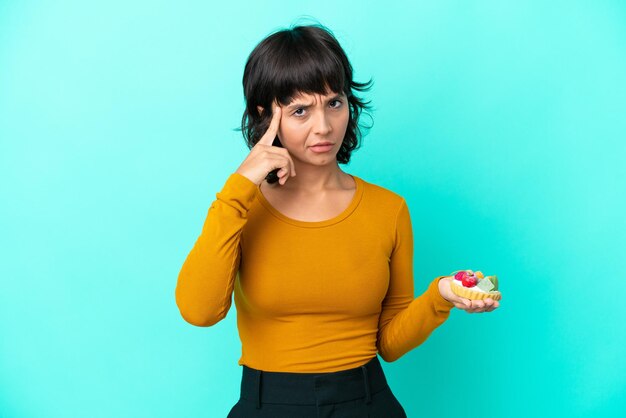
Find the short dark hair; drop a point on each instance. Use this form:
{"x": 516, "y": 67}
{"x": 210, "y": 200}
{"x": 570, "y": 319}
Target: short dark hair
{"x": 302, "y": 59}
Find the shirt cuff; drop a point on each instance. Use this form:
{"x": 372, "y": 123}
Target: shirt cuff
{"x": 238, "y": 192}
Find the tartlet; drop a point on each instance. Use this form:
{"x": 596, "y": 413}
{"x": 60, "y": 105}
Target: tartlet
{"x": 474, "y": 285}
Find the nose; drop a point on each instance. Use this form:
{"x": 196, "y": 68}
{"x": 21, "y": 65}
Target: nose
{"x": 322, "y": 124}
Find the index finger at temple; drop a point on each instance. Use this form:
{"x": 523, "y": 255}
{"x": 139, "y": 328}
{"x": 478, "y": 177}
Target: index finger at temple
{"x": 270, "y": 134}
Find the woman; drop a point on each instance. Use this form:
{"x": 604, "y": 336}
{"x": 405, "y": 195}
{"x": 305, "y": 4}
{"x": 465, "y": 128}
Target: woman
{"x": 321, "y": 261}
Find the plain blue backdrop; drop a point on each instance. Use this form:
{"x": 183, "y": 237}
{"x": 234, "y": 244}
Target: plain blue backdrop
{"x": 502, "y": 124}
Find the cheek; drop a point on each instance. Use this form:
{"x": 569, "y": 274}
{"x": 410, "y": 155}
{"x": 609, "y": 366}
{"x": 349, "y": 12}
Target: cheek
{"x": 291, "y": 132}
{"x": 342, "y": 122}
{"x": 346, "y": 119}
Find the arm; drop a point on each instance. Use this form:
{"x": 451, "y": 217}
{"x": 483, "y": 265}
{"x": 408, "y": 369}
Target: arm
{"x": 207, "y": 277}
{"x": 406, "y": 322}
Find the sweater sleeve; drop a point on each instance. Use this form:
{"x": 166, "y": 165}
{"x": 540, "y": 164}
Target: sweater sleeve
{"x": 406, "y": 322}
{"x": 206, "y": 279}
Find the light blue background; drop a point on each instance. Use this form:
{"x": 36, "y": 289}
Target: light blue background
{"x": 502, "y": 123}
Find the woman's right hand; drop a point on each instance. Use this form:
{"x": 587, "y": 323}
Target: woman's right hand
{"x": 264, "y": 157}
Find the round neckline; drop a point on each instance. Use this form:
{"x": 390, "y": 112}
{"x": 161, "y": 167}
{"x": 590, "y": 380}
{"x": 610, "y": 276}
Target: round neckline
{"x": 356, "y": 198}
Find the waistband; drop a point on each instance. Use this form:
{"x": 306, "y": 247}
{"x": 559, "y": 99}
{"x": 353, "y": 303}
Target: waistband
{"x": 313, "y": 388}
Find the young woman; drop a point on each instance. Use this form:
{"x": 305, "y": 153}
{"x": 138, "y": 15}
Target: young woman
{"x": 320, "y": 261}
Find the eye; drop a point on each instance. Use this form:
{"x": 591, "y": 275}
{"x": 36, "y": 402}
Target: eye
{"x": 339, "y": 104}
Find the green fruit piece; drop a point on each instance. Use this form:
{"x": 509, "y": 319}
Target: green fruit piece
{"x": 485, "y": 285}
{"x": 494, "y": 281}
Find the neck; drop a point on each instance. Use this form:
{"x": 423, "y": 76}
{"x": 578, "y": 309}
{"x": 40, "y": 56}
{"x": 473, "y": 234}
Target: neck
{"x": 314, "y": 178}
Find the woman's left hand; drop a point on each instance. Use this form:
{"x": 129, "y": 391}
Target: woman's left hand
{"x": 468, "y": 305}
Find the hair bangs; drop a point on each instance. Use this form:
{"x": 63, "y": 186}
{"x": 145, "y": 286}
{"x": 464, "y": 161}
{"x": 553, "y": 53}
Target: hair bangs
{"x": 307, "y": 70}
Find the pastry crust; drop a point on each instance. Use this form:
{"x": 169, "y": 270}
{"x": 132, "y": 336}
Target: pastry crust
{"x": 466, "y": 292}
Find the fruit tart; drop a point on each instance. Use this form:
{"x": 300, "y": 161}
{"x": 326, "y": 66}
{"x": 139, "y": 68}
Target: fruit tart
{"x": 474, "y": 285}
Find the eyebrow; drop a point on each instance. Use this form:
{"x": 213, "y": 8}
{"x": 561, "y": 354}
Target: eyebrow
{"x": 306, "y": 106}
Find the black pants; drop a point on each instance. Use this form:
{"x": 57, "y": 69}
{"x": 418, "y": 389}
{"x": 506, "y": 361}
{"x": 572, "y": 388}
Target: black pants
{"x": 361, "y": 392}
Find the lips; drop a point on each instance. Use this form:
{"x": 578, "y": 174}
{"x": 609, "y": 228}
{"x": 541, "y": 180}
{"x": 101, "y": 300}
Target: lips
{"x": 322, "y": 147}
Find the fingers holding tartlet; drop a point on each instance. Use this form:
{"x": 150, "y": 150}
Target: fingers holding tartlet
{"x": 471, "y": 291}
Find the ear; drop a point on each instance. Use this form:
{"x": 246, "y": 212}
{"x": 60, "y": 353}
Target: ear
{"x": 259, "y": 109}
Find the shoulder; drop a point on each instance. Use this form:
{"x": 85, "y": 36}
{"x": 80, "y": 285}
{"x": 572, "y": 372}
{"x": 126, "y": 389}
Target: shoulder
{"x": 382, "y": 195}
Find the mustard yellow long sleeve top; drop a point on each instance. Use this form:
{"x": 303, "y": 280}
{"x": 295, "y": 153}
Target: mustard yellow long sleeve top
{"x": 310, "y": 296}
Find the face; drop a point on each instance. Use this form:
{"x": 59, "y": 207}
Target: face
{"x": 311, "y": 119}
